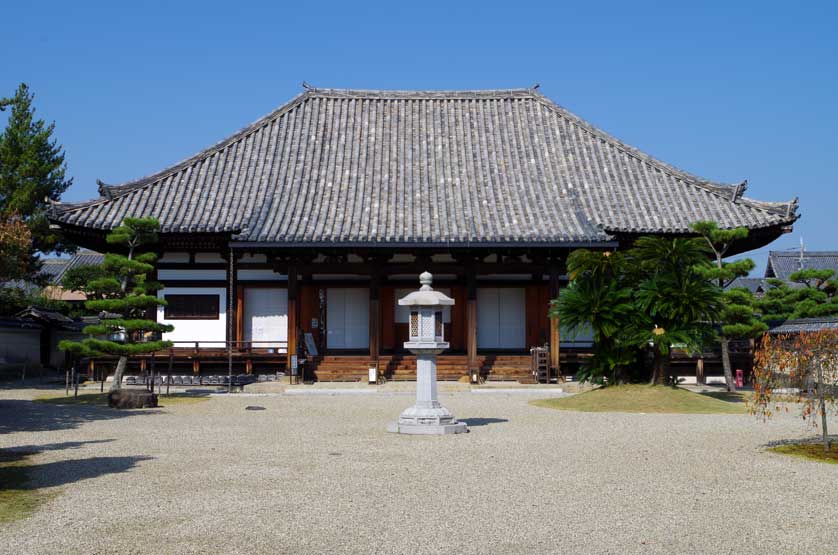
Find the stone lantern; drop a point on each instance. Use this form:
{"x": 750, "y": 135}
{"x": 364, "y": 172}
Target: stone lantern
{"x": 426, "y": 341}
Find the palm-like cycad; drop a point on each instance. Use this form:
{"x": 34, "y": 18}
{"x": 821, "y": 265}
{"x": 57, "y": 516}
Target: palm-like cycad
{"x": 676, "y": 296}
{"x": 597, "y": 300}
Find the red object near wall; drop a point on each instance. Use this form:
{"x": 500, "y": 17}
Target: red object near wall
{"x": 740, "y": 378}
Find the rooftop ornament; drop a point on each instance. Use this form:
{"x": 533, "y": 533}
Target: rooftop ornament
{"x": 427, "y": 416}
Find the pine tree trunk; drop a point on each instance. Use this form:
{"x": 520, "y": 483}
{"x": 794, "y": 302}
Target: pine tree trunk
{"x": 123, "y": 361}
{"x": 731, "y": 384}
{"x": 117, "y": 375}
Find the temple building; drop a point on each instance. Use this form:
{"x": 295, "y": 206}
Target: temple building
{"x": 294, "y": 237}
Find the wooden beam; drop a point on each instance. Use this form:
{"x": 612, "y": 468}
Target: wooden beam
{"x": 366, "y": 268}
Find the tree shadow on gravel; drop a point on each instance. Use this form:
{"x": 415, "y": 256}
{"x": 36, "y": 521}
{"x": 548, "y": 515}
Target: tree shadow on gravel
{"x": 59, "y": 473}
{"x": 23, "y": 451}
{"x": 474, "y": 422}
{"x": 28, "y": 416}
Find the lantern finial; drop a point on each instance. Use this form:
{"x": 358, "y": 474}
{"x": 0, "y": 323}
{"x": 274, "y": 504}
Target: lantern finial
{"x": 426, "y": 279}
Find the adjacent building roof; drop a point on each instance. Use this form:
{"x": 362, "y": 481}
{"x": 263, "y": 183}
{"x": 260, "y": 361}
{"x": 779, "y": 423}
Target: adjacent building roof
{"x": 754, "y": 285}
{"x": 452, "y": 168}
{"x": 55, "y": 268}
{"x": 781, "y": 264}
{"x": 805, "y": 325}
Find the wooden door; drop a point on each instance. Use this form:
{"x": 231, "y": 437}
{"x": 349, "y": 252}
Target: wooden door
{"x": 501, "y": 318}
{"x": 265, "y": 317}
{"x": 347, "y": 318}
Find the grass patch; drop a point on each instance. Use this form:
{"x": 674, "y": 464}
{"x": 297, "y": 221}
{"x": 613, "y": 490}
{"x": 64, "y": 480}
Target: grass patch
{"x": 812, "y": 451}
{"x": 17, "y": 499}
{"x": 181, "y": 399}
{"x": 646, "y": 399}
{"x": 101, "y": 399}
{"x": 85, "y": 399}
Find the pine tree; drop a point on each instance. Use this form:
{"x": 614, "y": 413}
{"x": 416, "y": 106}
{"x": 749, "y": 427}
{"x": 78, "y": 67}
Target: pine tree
{"x": 32, "y": 172}
{"x": 738, "y": 315}
{"x": 123, "y": 296}
{"x": 815, "y": 295}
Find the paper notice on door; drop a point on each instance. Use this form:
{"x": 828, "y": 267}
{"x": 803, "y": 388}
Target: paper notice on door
{"x": 311, "y": 347}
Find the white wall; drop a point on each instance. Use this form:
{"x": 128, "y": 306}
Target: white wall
{"x": 208, "y": 258}
{"x": 256, "y": 258}
{"x": 174, "y": 257}
{"x": 205, "y": 331}
{"x": 197, "y": 274}
{"x": 265, "y": 274}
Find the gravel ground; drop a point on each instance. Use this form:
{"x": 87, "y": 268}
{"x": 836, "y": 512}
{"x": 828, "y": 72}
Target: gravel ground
{"x": 319, "y": 474}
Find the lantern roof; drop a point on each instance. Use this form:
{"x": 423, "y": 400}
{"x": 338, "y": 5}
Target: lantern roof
{"x": 426, "y": 296}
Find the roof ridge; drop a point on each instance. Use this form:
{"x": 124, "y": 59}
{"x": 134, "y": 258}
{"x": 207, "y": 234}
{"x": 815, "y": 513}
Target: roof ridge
{"x": 731, "y": 192}
{"x": 442, "y": 94}
{"x": 812, "y": 319}
{"x": 796, "y": 253}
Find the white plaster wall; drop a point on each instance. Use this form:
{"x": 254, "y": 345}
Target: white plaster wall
{"x": 172, "y": 275}
{"x": 208, "y": 258}
{"x": 505, "y": 277}
{"x": 255, "y": 258}
{"x": 346, "y": 277}
{"x": 205, "y": 331}
{"x": 174, "y": 257}
{"x": 262, "y": 275}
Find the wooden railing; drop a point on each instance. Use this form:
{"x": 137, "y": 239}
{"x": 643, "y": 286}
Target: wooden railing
{"x": 216, "y": 347}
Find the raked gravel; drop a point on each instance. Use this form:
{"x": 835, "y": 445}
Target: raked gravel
{"x": 319, "y": 474}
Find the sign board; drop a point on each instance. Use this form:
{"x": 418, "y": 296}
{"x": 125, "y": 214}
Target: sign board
{"x": 311, "y": 347}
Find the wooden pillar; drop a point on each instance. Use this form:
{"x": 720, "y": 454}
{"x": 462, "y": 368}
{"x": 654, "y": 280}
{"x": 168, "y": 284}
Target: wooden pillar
{"x": 232, "y": 289}
{"x": 699, "y": 371}
{"x": 555, "y": 333}
{"x": 471, "y": 322}
{"x": 233, "y": 303}
{"x": 375, "y": 318}
{"x": 293, "y": 313}
{"x": 239, "y": 311}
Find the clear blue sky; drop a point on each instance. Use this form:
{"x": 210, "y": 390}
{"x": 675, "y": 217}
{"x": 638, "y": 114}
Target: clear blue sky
{"x": 726, "y": 90}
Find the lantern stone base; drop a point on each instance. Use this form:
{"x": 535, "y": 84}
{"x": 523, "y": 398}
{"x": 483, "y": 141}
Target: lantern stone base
{"x": 427, "y": 420}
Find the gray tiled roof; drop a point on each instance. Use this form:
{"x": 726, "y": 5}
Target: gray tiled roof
{"x": 781, "y": 264}
{"x": 55, "y": 268}
{"x": 753, "y": 285}
{"x": 806, "y": 324}
{"x": 388, "y": 167}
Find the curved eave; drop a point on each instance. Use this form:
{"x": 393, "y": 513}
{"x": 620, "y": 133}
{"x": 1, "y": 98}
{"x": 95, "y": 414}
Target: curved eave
{"x": 757, "y": 238}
